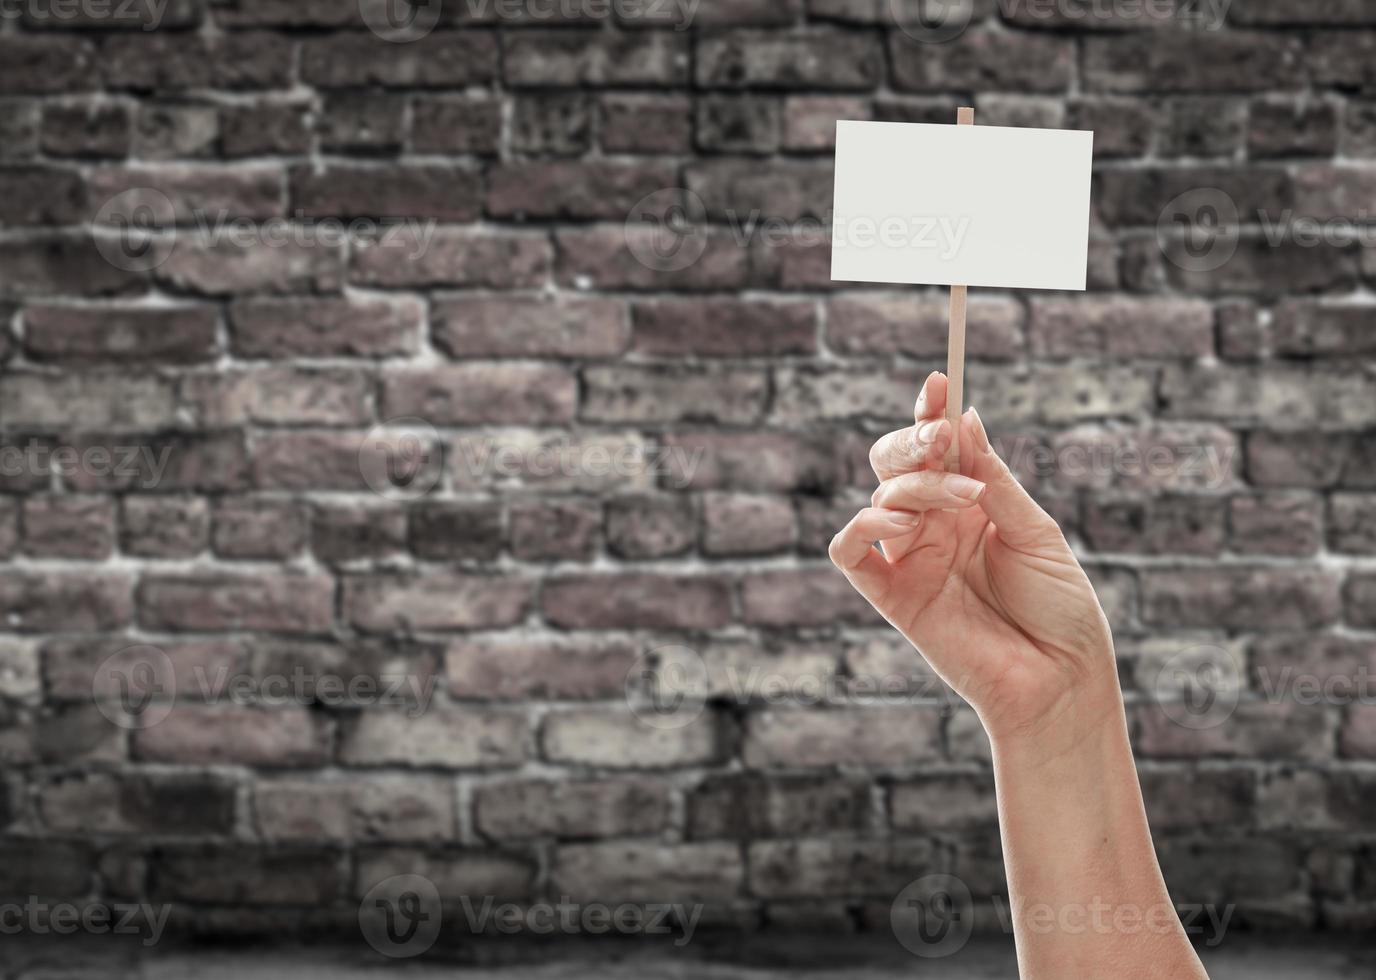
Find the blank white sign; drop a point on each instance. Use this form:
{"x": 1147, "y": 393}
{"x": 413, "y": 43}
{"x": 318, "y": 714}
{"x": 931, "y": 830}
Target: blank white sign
{"x": 961, "y": 205}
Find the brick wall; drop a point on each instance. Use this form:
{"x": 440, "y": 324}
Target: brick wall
{"x": 523, "y": 510}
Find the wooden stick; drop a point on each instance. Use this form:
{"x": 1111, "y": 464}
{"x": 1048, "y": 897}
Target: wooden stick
{"x": 955, "y": 347}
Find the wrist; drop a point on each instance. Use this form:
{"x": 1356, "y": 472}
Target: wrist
{"x": 1086, "y": 724}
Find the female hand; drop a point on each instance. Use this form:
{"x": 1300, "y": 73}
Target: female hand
{"x": 980, "y": 579}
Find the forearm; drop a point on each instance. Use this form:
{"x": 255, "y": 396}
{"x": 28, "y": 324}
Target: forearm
{"x": 1087, "y": 896}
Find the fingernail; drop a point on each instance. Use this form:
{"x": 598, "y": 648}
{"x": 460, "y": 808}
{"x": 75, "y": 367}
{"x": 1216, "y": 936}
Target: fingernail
{"x": 929, "y": 432}
{"x": 963, "y": 486}
{"x": 981, "y": 437}
{"x": 922, "y": 394}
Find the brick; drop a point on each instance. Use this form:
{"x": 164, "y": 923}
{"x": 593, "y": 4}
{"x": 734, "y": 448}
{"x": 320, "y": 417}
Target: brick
{"x": 882, "y": 737}
{"x": 670, "y": 394}
{"x": 1179, "y": 798}
{"x": 470, "y": 394}
{"x": 41, "y": 196}
{"x": 440, "y": 59}
{"x": 1210, "y": 126}
{"x": 1342, "y": 58}
{"x": 648, "y": 871}
{"x": 573, "y": 189}
{"x": 511, "y": 668}
{"x": 1121, "y": 327}
{"x": 983, "y": 60}
{"x": 68, "y": 527}
{"x": 1217, "y": 61}
{"x": 552, "y": 124}
{"x": 723, "y": 328}
{"x": 822, "y": 867}
{"x": 66, "y": 265}
{"x": 44, "y": 602}
{"x": 258, "y": 528}
{"x": 916, "y": 325}
{"x": 91, "y": 401}
{"x": 1123, "y": 128}
{"x": 943, "y": 801}
{"x": 746, "y": 524}
{"x": 645, "y": 124}
{"x": 739, "y": 191}
{"x": 445, "y": 737}
{"x": 1241, "y": 394}
{"x": 1283, "y": 128}
{"x": 241, "y": 874}
{"x": 502, "y": 326}
{"x": 279, "y": 738}
{"x": 1352, "y": 523}
{"x": 92, "y": 129}
{"x": 763, "y": 461}
{"x": 200, "y": 194}
{"x": 363, "y": 122}
{"x": 1255, "y": 730}
{"x": 565, "y": 59}
{"x": 1306, "y": 329}
{"x": 286, "y": 603}
{"x": 1276, "y": 13}
{"x": 451, "y": 531}
{"x": 575, "y": 810}
{"x": 74, "y": 335}
{"x": 756, "y": 59}
{"x": 621, "y": 258}
{"x": 20, "y": 130}
{"x": 456, "y": 875}
{"x": 325, "y": 327}
{"x": 201, "y": 265}
{"x": 803, "y": 597}
{"x": 560, "y": 461}
{"x": 616, "y": 739}
{"x": 279, "y": 394}
{"x": 164, "y": 527}
{"x": 332, "y": 460}
{"x": 808, "y": 395}
{"x": 632, "y": 600}
{"x": 1161, "y": 525}
{"x": 810, "y": 120}
{"x": 345, "y": 532}
{"x": 455, "y": 259}
{"x": 419, "y": 809}
{"x": 100, "y": 803}
{"x": 423, "y": 191}
{"x": 435, "y": 601}
{"x": 651, "y": 527}
{"x": 171, "y": 132}
{"x": 59, "y": 869}
{"x": 9, "y": 527}
{"x": 751, "y": 806}
{"x": 44, "y": 65}
{"x": 164, "y": 462}
{"x": 1359, "y": 599}
{"x": 456, "y": 126}
{"x": 579, "y": 525}
{"x": 1275, "y": 524}
{"x": 1240, "y": 597}
{"x": 739, "y": 124}
{"x": 265, "y": 129}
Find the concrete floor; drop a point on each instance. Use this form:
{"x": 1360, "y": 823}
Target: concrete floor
{"x": 1243, "y": 958}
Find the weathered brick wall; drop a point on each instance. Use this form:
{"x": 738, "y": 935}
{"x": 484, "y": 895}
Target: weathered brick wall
{"x": 612, "y": 450}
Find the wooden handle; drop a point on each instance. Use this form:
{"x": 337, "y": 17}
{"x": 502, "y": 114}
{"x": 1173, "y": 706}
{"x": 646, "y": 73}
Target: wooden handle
{"x": 955, "y": 347}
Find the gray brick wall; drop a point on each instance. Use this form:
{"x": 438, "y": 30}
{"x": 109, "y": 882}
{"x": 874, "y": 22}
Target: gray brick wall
{"x": 492, "y": 548}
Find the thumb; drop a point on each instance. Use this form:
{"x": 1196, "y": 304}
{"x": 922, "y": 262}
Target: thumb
{"x": 1020, "y": 520}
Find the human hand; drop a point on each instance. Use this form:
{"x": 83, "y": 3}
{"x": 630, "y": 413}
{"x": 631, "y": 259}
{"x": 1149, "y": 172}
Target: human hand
{"x": 980, "y": 579}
